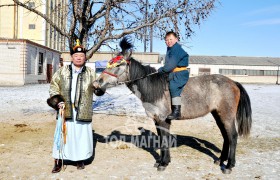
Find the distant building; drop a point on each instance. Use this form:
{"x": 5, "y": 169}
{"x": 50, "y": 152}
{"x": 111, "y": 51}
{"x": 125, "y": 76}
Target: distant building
{"x": 241, "y": 69}
{"x": 25, "y": 62}
{"x": 101, "y": 57}
{"x": 140, "y": 56}
{"x": 18, "y": 23}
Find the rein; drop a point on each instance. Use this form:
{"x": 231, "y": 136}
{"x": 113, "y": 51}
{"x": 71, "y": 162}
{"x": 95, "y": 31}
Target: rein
{"x": 117, "y": 61}
{"x": 129, "y": 81}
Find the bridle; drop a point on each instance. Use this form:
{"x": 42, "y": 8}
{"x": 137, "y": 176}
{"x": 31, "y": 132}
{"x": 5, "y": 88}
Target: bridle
{"x": 111, "y": 74}
{"x": 128, "y": 81}
{"x": 111, "y": 65}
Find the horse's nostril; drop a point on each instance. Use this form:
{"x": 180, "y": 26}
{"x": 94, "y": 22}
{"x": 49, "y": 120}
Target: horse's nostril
{"x": 99, "y": 92}
{"x": 100, "y": 81}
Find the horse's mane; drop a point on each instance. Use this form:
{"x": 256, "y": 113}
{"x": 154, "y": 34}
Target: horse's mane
{"x": 151, "y": 87}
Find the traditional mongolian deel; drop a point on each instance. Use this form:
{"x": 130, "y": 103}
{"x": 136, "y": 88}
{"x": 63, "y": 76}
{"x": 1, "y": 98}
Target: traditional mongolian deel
{"x": 78, "y": 119}
{"x": 71, "y": 89}
{"x": 176, "y": 61}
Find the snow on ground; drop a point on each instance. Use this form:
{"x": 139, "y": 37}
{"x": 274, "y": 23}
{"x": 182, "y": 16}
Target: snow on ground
{"x": 30, "y": 99}
{"x": 265, "y": 101}
{"x": 257, "y": 157}
{"x": 118, "y": 100}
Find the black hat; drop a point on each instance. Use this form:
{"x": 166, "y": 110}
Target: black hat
{"x": 78, "y": 48}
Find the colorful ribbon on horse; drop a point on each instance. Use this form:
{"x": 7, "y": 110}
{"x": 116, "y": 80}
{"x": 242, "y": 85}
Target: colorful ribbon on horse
{"x": 115, "y": 62}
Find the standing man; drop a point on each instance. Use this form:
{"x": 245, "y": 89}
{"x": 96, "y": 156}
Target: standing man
{"x": 71, "y": 89}
{"x": 176, "y": 62}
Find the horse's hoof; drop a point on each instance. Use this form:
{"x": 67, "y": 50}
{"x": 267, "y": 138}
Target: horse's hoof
{"x": 227, "y": 171}
{"x": 217, "y": 162}
{"x": 161, "y": 168}
{"x": 156, "y": 165}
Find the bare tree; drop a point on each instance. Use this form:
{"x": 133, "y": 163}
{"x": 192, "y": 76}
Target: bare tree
{"x": 99, "y": 22}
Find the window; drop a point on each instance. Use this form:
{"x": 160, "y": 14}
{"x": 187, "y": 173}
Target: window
{"x": 41, "y": 63}
{"x": 189, "y": 69}
{"x": 31, "y": 26}
{"x": 51, "y": 6}
{"x": 31, "y": 63}
{"x": 248, "y": 72}
{"x": 50, "y": 32}
{"x": 203, "y": 71}
{"x": 270, "y": 73}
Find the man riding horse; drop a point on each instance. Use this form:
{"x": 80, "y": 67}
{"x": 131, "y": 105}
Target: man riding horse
{"x": 176, "y": 62}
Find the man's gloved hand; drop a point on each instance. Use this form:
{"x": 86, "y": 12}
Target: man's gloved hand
{"x": 61, "y": 105}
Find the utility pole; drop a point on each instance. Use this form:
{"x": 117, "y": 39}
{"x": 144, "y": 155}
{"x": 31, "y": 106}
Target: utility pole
{"x": 145, "y": 31}
{"x": 277, "y": 76}
{"x": 146, "y": 35}
{"x": 151, "y": 39}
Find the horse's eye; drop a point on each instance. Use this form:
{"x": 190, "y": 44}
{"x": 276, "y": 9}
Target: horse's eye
{"x": 118, "y": 65}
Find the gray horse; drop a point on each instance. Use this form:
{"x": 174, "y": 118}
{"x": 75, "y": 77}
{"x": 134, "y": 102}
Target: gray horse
{"x": 225, "y": 99}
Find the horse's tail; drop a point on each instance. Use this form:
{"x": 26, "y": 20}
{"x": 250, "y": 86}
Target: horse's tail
{"x": 244, "y": 112}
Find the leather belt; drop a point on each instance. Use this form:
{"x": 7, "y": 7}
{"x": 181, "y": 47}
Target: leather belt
{"x": 177, "y": 69}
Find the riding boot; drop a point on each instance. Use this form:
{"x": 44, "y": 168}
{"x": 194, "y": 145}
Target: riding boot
{"x": 80, "y": 165}
{"x": 176, "y": 112}
{"x": 57, "y": 166}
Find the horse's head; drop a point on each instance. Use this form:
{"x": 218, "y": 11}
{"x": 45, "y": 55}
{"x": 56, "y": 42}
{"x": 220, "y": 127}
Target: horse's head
{"x": 117, "y": 69}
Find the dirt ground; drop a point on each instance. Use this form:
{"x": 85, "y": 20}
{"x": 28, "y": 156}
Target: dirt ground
{"x": 26, "y": 139}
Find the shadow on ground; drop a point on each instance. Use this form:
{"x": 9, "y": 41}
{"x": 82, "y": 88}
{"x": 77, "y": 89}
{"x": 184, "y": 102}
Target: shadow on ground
{"x": 149, "y": 142}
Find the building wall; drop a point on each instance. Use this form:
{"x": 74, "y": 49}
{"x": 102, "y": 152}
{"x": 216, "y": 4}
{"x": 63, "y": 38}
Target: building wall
{"x": 19, "y": 23}
{"x": 7, "y": 19}
{"x": 142, "y": 57}
{"x": 19, "y": 62}
{"x": 53, "y": 39}
{"x": 12, "y": 64}
{"x": 214, "y": 69}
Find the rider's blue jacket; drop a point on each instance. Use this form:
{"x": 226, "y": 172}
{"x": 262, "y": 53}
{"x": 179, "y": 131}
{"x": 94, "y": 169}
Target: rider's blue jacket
{"x": 175, "y": 57}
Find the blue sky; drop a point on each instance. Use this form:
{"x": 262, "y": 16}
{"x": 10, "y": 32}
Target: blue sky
{"x": 235, "y": 28}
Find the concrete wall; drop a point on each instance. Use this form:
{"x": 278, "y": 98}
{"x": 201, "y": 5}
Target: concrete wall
{"x": 12, "y": 63}
{"x": 142, "y": 57}
{"x": 17, "y": 22}
{"x": 7, "y": 19}
{"x": 19, "y": 62}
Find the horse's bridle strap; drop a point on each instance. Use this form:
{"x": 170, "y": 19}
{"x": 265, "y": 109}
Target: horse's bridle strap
{"x": 111, "y": 74}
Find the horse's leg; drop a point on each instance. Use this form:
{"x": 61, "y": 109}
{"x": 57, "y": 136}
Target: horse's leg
{"x": 159, "y": 135}
{"x": 232, "y": 135}
{"x": 229, "y": 133}
{"x": 164, "y": 127}
{"x": 225, "y": 149}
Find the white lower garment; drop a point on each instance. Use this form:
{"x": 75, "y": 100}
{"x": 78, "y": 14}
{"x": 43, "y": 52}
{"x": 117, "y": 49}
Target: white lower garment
{"x": 79, "y": 141}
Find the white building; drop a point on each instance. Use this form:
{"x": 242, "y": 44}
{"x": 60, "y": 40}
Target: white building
{"x": 241, "y": 69}
{"x": 25, "y": 62}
